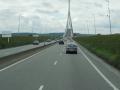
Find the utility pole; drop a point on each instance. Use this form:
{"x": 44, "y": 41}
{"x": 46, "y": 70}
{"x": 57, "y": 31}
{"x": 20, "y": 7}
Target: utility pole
{"x": 84, "y": 28}
{"x": 19, "y": 23}
{"x": 88, "y": 28}
{"x": 109, "y": 15}
{"x": 32, "y": 28}
{"x": 95, "y": 24}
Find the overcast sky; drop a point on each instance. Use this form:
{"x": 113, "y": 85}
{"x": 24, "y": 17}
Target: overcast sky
{"x": 46, "y": 16}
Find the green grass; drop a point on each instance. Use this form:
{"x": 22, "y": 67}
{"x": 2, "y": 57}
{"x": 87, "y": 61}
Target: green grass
{"x": 105, "y": 46}
{"x": 21, "y": 40}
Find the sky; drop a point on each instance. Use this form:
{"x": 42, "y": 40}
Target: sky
{"x": 49, "y": 16}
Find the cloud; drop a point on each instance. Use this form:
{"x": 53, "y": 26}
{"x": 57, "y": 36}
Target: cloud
{"x": 47, "y": 11}
{"x": 50, "y": 16}
{"x": 98, "y": 5}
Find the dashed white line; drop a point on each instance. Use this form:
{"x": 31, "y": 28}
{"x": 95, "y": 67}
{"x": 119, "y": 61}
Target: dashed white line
{"x": 99, "y": 72}
{"x": 41, "y": 87}
{"x": 55, "y": 63}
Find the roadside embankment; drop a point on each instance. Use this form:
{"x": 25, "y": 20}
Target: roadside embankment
{"x": 104, "y": 46}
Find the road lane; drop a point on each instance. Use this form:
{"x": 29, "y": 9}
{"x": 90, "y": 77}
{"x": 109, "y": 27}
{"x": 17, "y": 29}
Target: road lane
{"x": 14, "y": 50}
{"x": 30, "y": 74}
{"x": 72, "y": 72}
{"x": 99, "y": 72}
{"x": 109, "y": 71}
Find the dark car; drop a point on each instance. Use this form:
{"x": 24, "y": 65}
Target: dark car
{"x": 71, "y": 48}
{"x": 61, "y": 42}
{"x": 36, "y": 42}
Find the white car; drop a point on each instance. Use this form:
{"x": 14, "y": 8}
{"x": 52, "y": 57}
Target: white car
{"x": 36, "y": 42}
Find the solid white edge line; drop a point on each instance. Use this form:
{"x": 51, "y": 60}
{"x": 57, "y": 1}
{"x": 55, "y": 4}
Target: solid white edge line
{"x": 41, "y": 87}
{"x": 99, "y": 72}
{"x": 19, "y": 62}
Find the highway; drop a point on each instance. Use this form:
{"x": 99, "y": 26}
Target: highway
{"x": 14, "y": 50}
{"x": 52, "y": 69}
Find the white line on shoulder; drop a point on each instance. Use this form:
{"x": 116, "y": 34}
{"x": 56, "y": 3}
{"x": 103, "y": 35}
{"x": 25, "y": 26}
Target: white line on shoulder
{"x": 18, "y": 62}
{"x": 99, "y": 72}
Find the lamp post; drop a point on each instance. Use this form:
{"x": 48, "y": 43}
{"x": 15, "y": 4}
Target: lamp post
{"x": 109, "y": 15}
{"x": 88, "y": 28}
{"x": 95, "y": 24}
{"x": 32, "y": 28}
{"x": 19, "y": 23}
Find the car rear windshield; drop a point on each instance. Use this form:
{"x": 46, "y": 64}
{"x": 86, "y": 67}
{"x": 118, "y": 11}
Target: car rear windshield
{"x": 72, "y": 45}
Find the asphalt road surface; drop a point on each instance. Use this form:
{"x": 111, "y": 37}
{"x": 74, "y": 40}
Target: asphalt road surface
{"x": 14, "y": 50}
{"x": 52, "y": 69}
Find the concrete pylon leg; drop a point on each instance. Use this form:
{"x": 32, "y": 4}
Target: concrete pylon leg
{"x": 69, "y": 27}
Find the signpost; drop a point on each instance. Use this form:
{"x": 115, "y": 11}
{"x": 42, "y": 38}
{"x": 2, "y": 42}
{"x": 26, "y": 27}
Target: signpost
{"x": 7, "y": 34}
{"x": 36, "y": 35}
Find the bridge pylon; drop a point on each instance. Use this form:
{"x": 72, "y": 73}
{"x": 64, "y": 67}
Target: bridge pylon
{"x": 69, "y": 26}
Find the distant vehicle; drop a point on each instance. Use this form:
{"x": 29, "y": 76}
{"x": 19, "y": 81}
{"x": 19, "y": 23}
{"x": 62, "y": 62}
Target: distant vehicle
{"x": 49, "y": 40}
{"x": 36, "y": 42}
{"x": 61, "y": 42}
{"x": 71, "y": 48}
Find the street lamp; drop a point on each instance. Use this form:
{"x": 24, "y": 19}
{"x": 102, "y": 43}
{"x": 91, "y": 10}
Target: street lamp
{"x": 19, "y": 23}
{"x": 95, "y": 24}
{"x": 88, "y": 28}
{"x": 109, "y": 15}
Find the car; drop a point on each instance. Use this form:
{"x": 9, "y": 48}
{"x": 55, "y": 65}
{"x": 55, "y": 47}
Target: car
{"x": 61, "y": 42}
{"x": 36, "y": 42}
{"x": 71, "y": 48}
{"x": 49, "y": 40}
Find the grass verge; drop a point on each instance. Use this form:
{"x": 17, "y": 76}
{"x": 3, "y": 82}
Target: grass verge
{"x": 104, "y": 46}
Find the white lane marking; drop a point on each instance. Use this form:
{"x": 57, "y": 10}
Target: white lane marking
{"x": 41, "y": 87}
{"x": 19, "y": 62}
{"x": 55, "y": 63}
{"x": 99, "y": 72}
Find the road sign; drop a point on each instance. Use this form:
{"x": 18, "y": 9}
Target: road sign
{"x": 6, "y": 34}
{"x": 35, "y": 35}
